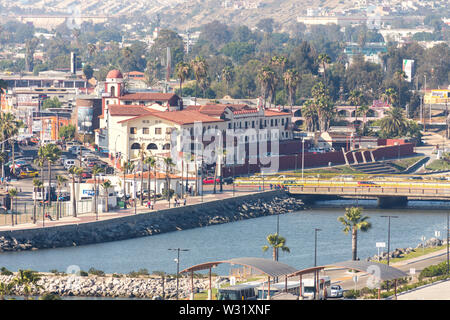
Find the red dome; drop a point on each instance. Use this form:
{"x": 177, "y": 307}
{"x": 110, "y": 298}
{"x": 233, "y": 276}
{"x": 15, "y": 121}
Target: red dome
{"x": 114, "y": 74}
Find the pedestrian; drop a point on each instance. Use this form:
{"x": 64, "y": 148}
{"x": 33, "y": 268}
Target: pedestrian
{"x": 184, "y": 201}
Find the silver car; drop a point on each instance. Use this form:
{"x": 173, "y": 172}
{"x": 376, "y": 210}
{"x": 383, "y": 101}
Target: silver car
{"x": 336, "y": 291}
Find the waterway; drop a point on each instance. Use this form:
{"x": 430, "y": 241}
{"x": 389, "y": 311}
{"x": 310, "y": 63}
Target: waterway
{"x": 246, "y": 239}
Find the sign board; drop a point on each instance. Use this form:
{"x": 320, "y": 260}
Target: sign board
{"x": 423, "y": 238}
{"x": 408, "y": 69}
{"x": 437, "y": 234}
{"x": 89, "y": 192}
{"x": 412, "y": 271}
{"x": 232, "y": 281}
{"x": 381, "y": 244}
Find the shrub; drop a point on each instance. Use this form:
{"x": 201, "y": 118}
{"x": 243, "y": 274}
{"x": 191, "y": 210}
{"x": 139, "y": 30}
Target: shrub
{"x": 83, "y": 273}
{"x": 5, "y": 272}
{"x": 49, "y": 296}
{"x": 351, "y": 294}
{"x": 434, "y": 270}
{"x": 115, "y": 275}
{"x": 96, "y": 272}
{"x": 141, "y": 272}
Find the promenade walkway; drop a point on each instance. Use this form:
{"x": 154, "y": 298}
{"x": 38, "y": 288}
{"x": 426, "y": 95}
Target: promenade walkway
{"x": 160, "y": 205}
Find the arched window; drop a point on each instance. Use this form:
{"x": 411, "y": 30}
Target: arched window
{"x": 113, "y": 91}
{"x": 166, "y": 146}
{"x": 135, "y": 146}
{"x": 152, "y": 146}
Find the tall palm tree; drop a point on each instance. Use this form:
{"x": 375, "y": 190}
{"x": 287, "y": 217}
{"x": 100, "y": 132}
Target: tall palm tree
{"x": 353, "y": 220}
{"x": 324, "y": 59}
{"x": 227, "y": 75}
{"x": 355, "y": 99}
{"x": 169, "y": 164}
{"x": 389, "y": 96}
{"x": 12, "y": 194}
{"x": 127, "y": 167}
{"x": 106, "y": 186}
{"x": 151, "y": 163}
{"x": 399, "y": 77}
{"x": 9, "y": 127}
{"x": 276, "y": 242}
{"x": 142, "y": 154}
{"x": 74, "y": 171}
{"x": 60, "y": 180}
{"x": 291, "y": 80}
{"x": 27, "y": 279}
{"x": 183, "y": 72}
{"x": 92, "y": 48}
{"x": 266, "y": 78}
{"x": 37, "y": 185}
{"x": 51, "y": 153}
{"x": 199, "y": 68}
{"x": 95, "y": 172}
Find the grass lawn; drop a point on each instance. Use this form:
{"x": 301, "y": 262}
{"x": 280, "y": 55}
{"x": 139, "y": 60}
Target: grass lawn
{"x": 419, "y": 252}
{"x": 440, "y": 165}
{"x": 403, "y": 164}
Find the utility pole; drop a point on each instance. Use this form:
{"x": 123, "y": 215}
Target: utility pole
{"x": 389, "y": 234}
{"x": 177, "y": 260}
{"x": 315, "y": 260}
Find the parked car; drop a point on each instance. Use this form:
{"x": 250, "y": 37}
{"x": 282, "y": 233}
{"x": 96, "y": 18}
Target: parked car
{"x": 210, "y": 180}
{"x": 228, "y": 180}
{"x": 69, "y": 163}
{"x": 336, "y": 291}
{"x": 86, "y": 175}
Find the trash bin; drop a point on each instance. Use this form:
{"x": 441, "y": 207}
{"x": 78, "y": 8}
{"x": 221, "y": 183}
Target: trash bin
{"x": 121, "y": 204}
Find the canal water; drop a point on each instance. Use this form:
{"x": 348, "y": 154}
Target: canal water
{"x": 246, "y": 239}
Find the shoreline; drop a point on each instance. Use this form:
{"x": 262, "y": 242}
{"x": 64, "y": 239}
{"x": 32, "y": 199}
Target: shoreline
{"x": 147, "y": 224}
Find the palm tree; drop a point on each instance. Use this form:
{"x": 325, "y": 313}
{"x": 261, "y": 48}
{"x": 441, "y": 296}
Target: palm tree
{"x": 9, "y": 127}
{"x": 151, "y": 163}
{"x": 291, "y": 79}
{"x": 227, "y": 75}
{"x": 74, "y": 171}
{"x": 276, "y": 242}
{"x": 127, "y": 167}
{"x": 355, "y": 99}
{"x": 399, "y": 77}
{"x": 106, "y": 186}
{"x": 5, "y": 289}
{"x": 12, "y": 194}
{"x": 92, "y": 48}
{"x": 394, "y": 123}
{"x": 353, "y": 220}
{"x": 324, "y": 59}
{"x": 183, "y": 71}
{"x": 266, "y": 78}
{"x": 95, "y": 171}
{"x": 28, "y": 280}
{"x": 169, "y": 164}
{"x": 52, "y": 153}
{"x": 199, "y": 68}
{"x": 61, "y": 180}
{"x": 390, "y": 96}
{"x": 37, "y": 185}
{"x": 142, "y": 153}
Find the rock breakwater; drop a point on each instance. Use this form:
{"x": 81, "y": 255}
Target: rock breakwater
{"x": 151, "y": 223}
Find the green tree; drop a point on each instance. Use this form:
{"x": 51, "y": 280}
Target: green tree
{"x": 51, "y": 103}
{"x": 353, "y": 220}
{"x": 88, "y": 71}
{"x": 394, "y": 123}
{"x": 199, "y": 68}
{"x": 60, "y": 181}
{"x": 52, "y": 153}
{"x": 291, "y": 79}
{"x": 28, "y": 280}
{"x": 227, "y": 76}
{"x": 324, "y": 59}
{"x": 169, "y": 165}
{"x": 96, "y": 170}
{"x": 266, "y": 79}
{"x": 37, "y": 186}
{"x": 150, "y": 161}
{"x": 67, "y": 132}
{"x": 12, "y": 194}
{"x": 106, "y": 186}
{"x": 276, "y": 242}
{"x": 5, "y": 289}
{"x": 183, "y": 72}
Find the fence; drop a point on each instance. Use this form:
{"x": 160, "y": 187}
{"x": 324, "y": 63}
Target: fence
{"x": 23, "y": 211}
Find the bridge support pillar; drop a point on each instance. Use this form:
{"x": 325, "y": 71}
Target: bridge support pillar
{"x": 354, "y": 157}
{"x": 389, "y": 202}
{"x": 363, "y": 156}
{"x": 345, "y": 157}
{"x": 371, "y": 155}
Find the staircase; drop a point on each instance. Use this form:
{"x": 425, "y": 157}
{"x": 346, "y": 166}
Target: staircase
{"x": 375, "y": 168}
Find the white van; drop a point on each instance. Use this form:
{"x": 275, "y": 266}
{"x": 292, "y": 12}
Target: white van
{"x": 69, "y": 163}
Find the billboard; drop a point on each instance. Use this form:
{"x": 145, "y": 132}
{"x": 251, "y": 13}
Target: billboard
{"x": 85, "y": 115}
{"x": 408, "y": 69}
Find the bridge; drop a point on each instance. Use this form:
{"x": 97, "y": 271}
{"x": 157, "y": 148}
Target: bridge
{"x": 389, "y": 193}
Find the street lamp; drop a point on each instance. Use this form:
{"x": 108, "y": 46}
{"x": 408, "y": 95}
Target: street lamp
{"x": 315, "y": 259}
{"x": 389, "y": 234}
{"x": 177, "y": 260}
{"x": 303, "y": 155}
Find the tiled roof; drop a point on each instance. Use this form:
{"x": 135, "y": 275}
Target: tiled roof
{"x": 123, "y": 110}
{"x": 180, "y": 117}
{"x": 114, "y": 74}
{"x": 272, "y": 113}
{"x": 218, "y": 109}
{"x": 148, "y": 96}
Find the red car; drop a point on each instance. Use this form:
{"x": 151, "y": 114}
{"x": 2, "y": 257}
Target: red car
{"x": 86, "y": 175}
{"x": 210, "y": 180}
{"x": 367, "y": 184}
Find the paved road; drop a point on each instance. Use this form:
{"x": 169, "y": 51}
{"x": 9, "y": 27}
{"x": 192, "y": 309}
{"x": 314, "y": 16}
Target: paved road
{"x": 437, "y": 291}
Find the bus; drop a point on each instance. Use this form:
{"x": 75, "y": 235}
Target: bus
{"x": 244, "y": 291}
{"x": 293, "y": 287}
{"x": 324, "y": 288}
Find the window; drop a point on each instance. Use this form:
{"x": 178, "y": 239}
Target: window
{"x": 253, "y": 124}
{"x": 271, "y": 122}
{"x": 133, "y": 130}
{"x": 157, "y": 130}
{"x": 229, "y": 125}
{"x": 145, "y": 131}
{"x": 282, "y": 121}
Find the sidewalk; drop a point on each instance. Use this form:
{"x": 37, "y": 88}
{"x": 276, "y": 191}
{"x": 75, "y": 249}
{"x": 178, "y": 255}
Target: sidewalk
{"x": 159, "y": 205}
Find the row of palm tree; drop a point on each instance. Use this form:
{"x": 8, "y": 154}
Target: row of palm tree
{"x": 25, "y": 279}
{"x": 9, "y": 128}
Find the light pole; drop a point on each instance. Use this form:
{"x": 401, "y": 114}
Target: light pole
{"x": 303, "y": 155}
{"x": 315, "y": 259}
{"x": 389, "y": 234}
{"x": 177, "y": 260}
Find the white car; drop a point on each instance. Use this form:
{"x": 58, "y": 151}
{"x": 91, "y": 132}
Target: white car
{"x": 336, "y": 291}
